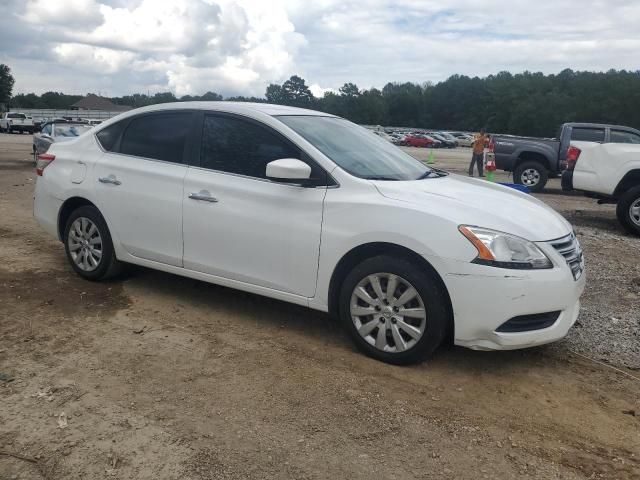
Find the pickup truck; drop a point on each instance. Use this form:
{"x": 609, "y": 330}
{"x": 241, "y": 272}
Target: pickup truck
{"x": 608, "y": 172}
{"x": 16, "y": 122}
{"x": 534, "y": 160}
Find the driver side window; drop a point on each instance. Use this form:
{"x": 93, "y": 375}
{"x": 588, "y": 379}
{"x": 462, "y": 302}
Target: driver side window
{"x": 237, "y": 146}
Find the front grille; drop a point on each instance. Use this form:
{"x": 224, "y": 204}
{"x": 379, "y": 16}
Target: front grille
{"x": 570, "y": 249}
{"x": 527, "y": 323}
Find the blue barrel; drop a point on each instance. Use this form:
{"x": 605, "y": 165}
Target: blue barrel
{"x": 516, "y": 186}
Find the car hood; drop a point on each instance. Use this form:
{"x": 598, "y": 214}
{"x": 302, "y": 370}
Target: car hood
{"x": 467, "y": 201}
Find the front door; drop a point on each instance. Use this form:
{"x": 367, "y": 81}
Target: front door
{"x": 240, "y": 225}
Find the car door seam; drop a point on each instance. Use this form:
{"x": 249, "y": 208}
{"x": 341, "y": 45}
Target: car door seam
{"x": 315, "y": 290}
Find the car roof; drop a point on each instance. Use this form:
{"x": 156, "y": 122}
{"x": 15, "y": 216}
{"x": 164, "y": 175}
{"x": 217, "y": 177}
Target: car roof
{"x": 599, "y": 125}
{"x": 249, "y": 109}
{"x": 232, "y": 107}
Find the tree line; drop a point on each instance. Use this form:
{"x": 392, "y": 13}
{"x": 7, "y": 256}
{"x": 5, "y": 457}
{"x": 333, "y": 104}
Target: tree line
{"x": 524, "y": 104}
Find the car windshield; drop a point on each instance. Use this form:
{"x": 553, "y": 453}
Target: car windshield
{"x": 70, "y": 130}
{"x": 355, "y": 149}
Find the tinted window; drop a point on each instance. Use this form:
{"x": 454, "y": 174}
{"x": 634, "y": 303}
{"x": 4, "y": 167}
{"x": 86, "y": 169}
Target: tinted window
{"x": 620, "y": 136}
{"x": 47, "y": 129}
{"x": 160, "y": 136}
{"x": 587, "y": 134}
{"x": 21, "y": 116}
{"x": 237, "y": 146}
{"x": 109, "y": 136}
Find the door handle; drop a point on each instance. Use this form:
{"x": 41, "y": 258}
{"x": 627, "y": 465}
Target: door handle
{"x": 110, "y": 179}
{"x": 204, "y": 196}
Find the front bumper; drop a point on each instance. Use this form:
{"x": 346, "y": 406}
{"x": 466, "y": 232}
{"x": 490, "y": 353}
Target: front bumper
{"x": 483, "y": 298}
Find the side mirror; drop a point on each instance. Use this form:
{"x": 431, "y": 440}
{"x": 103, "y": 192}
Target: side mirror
{"x": 289, "y": 170}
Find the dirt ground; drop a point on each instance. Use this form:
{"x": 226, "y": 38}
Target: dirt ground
{"x": 153, "y": 376}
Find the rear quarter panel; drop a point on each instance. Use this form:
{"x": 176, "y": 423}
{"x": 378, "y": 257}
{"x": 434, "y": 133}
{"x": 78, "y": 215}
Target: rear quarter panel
{"x": 69, "y": 175}
{"x": 600, "y": 167}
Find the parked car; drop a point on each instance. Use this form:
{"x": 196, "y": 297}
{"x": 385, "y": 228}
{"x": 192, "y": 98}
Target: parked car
{"x": 16, "y": 122}
{"x": 384, "y": 135}
{"x": 416, "y": 140}
{"x": 91, "y": 121}
{"x": 397, "y": 139}
{"x": 436, "y": 143}
{"x": 533, "y": 160}
{"x": 608, "y": 172}
{"x": 465, "y": 140}
{"x": 443, "y": 141}
{"x": 56, "y": 132}
{"x": 311, "y": 209}
{"x": 450, "y": 138}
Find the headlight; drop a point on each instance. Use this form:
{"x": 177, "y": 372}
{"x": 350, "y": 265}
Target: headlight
{"x": 502, "y": 250}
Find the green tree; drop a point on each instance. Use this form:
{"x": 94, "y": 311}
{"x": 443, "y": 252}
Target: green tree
{"x": 6, "y": 83}
{"x": 296, "y": 92}
{"x": 275, "y": 94}
{"x": 349, "y": 90}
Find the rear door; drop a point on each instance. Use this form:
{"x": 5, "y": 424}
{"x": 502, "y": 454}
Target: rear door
{"x": 139, "y": 182}
{"x": 242, "y": 226}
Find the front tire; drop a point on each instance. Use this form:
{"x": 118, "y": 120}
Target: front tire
{"x": 531, "y": 174}
{"x": 628, "y": 210}
{"x": 88, "y": 245}
{"x": 394, "y": 311}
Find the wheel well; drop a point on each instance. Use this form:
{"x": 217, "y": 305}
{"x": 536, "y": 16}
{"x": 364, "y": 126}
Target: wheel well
{"x": 533, "y": 156}
{"x": 369, "y": 250}
{"x": 67, "y": 209}
{"x": 630, "y": 180}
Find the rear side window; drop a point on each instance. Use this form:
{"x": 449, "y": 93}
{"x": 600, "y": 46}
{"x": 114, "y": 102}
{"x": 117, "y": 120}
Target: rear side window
{"x": 159, "y": 136}
{"x": 621, "y": 136}
{"x": 110, "y": 135}
{"x": 237, "y": 146}
{"x": 587, "y": 134}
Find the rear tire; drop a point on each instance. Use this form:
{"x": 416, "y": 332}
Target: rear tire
{"x": 375, "y": 321}
{"x": 628, "y": 210}
{"x": 531, "y": 174}
{"x": 88, "y": 245}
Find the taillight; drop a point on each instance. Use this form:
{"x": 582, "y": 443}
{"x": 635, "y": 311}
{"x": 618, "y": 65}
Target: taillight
{"x": 44, "y": 160}
{"x": 572, "y": 157}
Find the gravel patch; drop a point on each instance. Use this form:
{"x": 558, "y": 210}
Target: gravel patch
{"x": 608, "y": 328}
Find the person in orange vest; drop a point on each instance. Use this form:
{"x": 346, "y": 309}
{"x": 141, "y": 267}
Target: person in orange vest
{"x": 477, "y": 157}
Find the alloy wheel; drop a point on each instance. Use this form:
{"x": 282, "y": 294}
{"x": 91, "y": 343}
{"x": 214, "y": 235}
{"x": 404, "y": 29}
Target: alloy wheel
{"x": 530, "y": 177}
{"x": 85, "y": 244}
{"x": 634, "y": 212}
{"x": 388, "y": 312}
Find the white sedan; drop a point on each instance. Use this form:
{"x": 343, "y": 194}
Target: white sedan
{"x": 465, "y": 140}
{"x": 311, "y": 209}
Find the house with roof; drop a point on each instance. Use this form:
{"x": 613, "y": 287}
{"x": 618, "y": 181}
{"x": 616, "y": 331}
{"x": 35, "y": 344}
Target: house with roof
{"x": 94, "y": 102}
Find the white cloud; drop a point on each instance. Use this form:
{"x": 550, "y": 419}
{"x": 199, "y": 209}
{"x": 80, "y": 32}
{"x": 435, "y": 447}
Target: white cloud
{"x": 239, "y": 46}
{"x": 318, "y": 91}
{"x": 69, "y": 13}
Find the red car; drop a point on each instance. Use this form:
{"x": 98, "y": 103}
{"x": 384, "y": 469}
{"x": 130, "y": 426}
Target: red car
{"x": 414, "y": 141}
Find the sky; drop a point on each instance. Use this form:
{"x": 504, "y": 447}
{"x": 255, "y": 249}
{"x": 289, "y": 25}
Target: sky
{"x": 238, "y": 47}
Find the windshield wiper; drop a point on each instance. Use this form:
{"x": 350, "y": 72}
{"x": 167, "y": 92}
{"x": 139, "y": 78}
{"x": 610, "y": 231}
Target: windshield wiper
{"x": 379, "y": 177}
{"x": 434, "y": 173}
